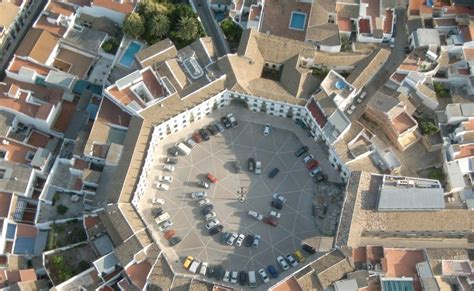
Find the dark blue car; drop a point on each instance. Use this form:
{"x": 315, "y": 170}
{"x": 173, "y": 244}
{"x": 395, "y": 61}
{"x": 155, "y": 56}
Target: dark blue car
{"x": 273, "y": 272}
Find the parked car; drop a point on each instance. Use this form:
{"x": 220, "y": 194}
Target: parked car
{"x": 392, "y": 42}
{"x": 174, "y": 241}
{"x": 248, "y": 241}
{"x": 232, "y": 120}
{"x": 243, "y": 278}
{"x": 204, "y": 184}
{"x": 226, "y": 276}
{"x": 172, "y": 161}
{"x": 187, "y": 262}
{"x": 219, "y": 273}
{"x": 218, "y": 127}
{"x": 273, "y": 272}
{"x": 197, "y": 137}
{"x": 173, "y": 151}
{"x": 212, "y": 129}
{"x": 203, "y": 269}
{"x": 276, "y": 204}
{"x": 315, "y": 171}
{"x": 198, "y": 195}
{"x": 206, "y": 209}
{"x": 361, "y": 97}
{"x": 282, "y": 262}
{"x": 167, "y": 179}
{"x": 291, "y": 260}
{"x": 230, "y": 241}
{"x": 233, "y": 277}
{"x": 163, "y": 186}
{"x": 225, "y": 236}
{"x": 225, "y": 120}
{"x": 204, "y": 134}
{"x": 168, "y": 168}
{"x": 251, "y": 164}
{"x": 263, "y": 276}
{"x": 239, "y": 240}
{"x": 308, "y": 248}
{"x": 256, "y": 241}
{"x": 191, "y": 143}
{"x": 258, "y": 167}
{"x": 270, "y": 221}
{"x": 216, "y": 229}
{"x": 307, "y": 158}
{"x": 312, "y": 164}
{"x": 164, "y": 226}
{"x": 157, "y": 211}
{"x": 169, "y": 233}
{"x": 237, "y": 166}
{"x": 255, "y": 214}
{"x": 274, "y": 214}
{"x": 319, "y": 177}
{"x": 299, "y": 256}
{"x": 204, "y": 201}
{"x": 212, "y": 178}
{"x": 279, "y": 197}
{"x": 267, "y": 128}
{"x": 407, "y": 50}
{"x": 158, "y": 201}
{"x": 211, "y": 223}
{"x": 210, "y": 215}
{"x": 301, "y": 151}
{"x": 273, "y": 173}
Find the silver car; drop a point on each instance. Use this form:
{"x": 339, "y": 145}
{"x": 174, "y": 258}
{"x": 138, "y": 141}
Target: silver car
{"x": 231, "y": 239}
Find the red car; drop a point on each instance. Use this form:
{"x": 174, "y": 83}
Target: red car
{"x": 270, "y": 220}
{"x": 197, "y": 137}
{"x": 212, "y": 178}
{"x": 312, "y": 164}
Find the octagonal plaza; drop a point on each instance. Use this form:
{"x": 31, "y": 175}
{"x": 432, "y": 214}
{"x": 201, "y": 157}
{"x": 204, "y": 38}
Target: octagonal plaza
{"x": 216, "y": 157}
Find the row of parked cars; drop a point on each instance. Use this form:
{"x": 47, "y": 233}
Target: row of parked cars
{"x": 311, "y": 164}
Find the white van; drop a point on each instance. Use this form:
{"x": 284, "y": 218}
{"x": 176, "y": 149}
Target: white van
{"x": 184, "y": 149}
{"x": 163, "y": 217}
{"x": 194, "y": 266}
{"x": 252, "y": 279}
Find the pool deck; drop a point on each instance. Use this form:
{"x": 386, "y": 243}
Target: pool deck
{"x": 277, "y": 16}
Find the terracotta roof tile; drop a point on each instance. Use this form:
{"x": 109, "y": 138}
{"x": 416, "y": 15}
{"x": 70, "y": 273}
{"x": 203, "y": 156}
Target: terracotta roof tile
{"x": 126, "y": 6}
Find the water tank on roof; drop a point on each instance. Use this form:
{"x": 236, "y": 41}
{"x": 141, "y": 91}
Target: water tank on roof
{"x": 340, "y": 85}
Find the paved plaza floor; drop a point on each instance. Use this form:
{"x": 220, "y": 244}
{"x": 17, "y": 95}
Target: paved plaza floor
{"x": 216, "y": 157}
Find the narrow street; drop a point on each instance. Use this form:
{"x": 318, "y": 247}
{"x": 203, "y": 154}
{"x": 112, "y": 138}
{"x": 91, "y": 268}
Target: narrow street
{"x": 211, "y": 26}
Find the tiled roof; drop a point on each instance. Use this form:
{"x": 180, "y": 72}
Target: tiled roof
{"x": 37, "y": 44}
{"x": 138, "y": 273}
{"x": 123, "y": 6}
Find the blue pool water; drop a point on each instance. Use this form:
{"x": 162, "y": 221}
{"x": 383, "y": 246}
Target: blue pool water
{"x": 298, "y": 20}
{"x": 129, "y": 54}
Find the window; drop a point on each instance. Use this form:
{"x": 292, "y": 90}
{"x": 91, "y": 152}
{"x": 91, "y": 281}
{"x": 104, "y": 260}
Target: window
{"x": 3, "y": 154}
{"x": 30, "y": 156}
{"x": 2, "y": 173}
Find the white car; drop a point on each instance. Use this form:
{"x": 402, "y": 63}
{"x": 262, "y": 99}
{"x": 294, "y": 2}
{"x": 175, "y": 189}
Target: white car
{"x": 231, "y": 239}
{"x": 203, "y": 269}
{"x": 255, "y": 214}
{"x": 210, "y": 215}
{"x": 263, "y": 275}
{"x": 258, "y": 167}
{"x": 164, "y": 226}
{"x": 226, "y": 276}
{"x": 293, "y": 262}
{"x": 239, "y": 240}
{"x": 212, "y": 223}
{"x": 267, "y": 129}
{"x": 163, "y": 186}
{"x": 315, "y": 171}
{"x": 274, "y": 214}
{"x": 158, "y": 201}
{"x": 308, "y": 158}
{"x": 198, "y": 195}
{"x": 392, "y": 42}
{"x": 279, "y": 197}
{"x": 233, "y": 277}
{"x": 168, "y": 168}
{"x": 282, "y": 262}
{"x": 203, "y": 202}
{"x": 167, "y": 179}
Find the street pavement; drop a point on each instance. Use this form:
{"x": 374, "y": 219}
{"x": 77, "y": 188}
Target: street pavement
{"x": 211, "y": 27}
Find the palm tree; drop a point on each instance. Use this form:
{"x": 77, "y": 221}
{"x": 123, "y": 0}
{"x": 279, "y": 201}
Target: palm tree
{"x": 158, "y": 26}
{"x": 188, "y": 28}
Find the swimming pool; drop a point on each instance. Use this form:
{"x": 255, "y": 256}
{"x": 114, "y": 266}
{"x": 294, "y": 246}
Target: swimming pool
{"x": 298, "y": 20}
{"x": 129, "y": 54}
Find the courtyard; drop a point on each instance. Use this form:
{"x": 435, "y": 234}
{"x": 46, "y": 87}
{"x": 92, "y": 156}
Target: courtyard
{"x": 216, "y": 157}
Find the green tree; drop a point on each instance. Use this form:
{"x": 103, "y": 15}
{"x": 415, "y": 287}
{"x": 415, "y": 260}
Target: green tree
{"x": 157, "y": 27}
{"x": 232, "y": 30}
{"x": 149, "y": 8}
{"x": 134, "y": 25}
{"x": 428, "y": 127}
{"x": 188, "y": 28}
{"x": 61, "y": 209}
{"x": 436, "y": 174}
